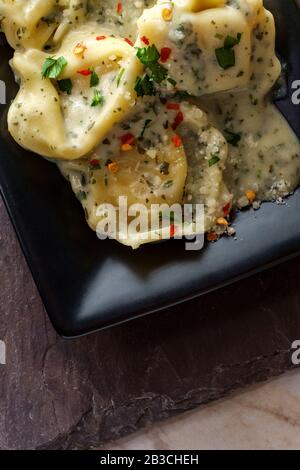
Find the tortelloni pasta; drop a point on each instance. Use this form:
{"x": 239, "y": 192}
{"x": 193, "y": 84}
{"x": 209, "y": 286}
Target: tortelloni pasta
{"x": 31, "y": 23}
{"x": 162, "y": 102}
{"x": 68, "y": 123}
{"x": 157, "y": 169}
{"x": 211, "y": 49}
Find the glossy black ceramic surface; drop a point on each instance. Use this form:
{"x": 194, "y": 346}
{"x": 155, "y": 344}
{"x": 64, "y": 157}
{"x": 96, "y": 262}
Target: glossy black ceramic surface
{"x": 87, "y": 284}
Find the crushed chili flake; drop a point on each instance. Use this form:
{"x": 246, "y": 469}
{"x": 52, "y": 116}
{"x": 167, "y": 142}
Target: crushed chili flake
{"x": 165, "y": 54}
{"x": 129, "y": 42}
{"x": 94, "y": 163}
{"x": 226, "y": 209}
{"x": 173, "y": 106}
{"x": 177, "y": 141}
{"x": 167, "y": 14}
{"x": 178, "y": 120}
{"x": 119, "y": 8}
{"x": 100, "y": 38}
{"x": 145, "y": 40}
{"x": 127, "y": 139}
{"x": 172, "y": 231}
{"x": 126, "y": 147}
{"x": 251, "y": 195}
{"x": 85, "y": 72}
{"x": 212, "y": 236}
{"x": 113, "y": 167}
{"x": 79, "y": 49}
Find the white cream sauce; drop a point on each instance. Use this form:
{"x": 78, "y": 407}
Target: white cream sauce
{"x": 263, "y": 153}
{"x": 267, "y": 157}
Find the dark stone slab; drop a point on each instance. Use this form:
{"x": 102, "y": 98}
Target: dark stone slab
{"x": 62, "y": 394}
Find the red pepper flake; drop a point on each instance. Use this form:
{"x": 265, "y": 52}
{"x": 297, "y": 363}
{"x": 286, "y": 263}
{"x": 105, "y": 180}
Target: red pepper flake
{"x": 127, "y": 139}
{"x": 177, "y": 121}
{"x": 212, "y": 236}
{"x": 173, "y": 106}
{"x": 177, "y": 141}
{"x": 145, "y": 40}
{"x": 79, "y": 50}
{"x": 129, "y": 42}
{"x": 226, "y": 209}
{"x": 165, "y": 54}
{"x": 95, "y": 163}
{"x": 172, "y": 231}
{"x": 85, "y": 72}
{"x": 100, "y": 38}
{"x": 113, "y": 167}
{"x": 119, "y": 8}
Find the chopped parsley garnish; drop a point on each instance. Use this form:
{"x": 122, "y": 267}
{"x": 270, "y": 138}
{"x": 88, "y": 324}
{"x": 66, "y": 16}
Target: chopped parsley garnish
{"x": 65, "y": 85}
{"x": 148, "y": 55}
{"x": 94, "y": 79}
{"x": 120, "y": 76}
{"x": 145, "y": 127}
{"x": 98, "y": 98}
{"x": 156, "y": 73}
{"x": 226, "y": 55}
{"x": 214, "y": 160}
{"x": 159, "y": 73}
{"x": 231, "y": 41}
{"x": 52, "y": 67}
{"x": 144, "y": 86}
{"x": 232, "y": 138}
{"x": 173, "y": 82}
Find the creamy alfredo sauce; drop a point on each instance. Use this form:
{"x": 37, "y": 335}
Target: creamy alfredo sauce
{"x": 267, "y": 157}
{"x": 161, "y": 148}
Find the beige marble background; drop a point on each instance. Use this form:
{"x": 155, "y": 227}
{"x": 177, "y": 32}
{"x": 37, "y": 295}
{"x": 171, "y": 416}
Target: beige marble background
{"x": 263, "y": 417}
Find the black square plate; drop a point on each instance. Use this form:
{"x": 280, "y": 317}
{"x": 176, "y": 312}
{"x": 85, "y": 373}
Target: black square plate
{"x": 87, "y": 284}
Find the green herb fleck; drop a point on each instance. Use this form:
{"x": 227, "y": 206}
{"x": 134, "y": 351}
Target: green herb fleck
{"x": 98, "y": 98}
{"x": 65, "y": 85}
{"x": 232, "y": 138}
{"x": 94, "y": 79}
{"x": 52, "y": 67}
{"x": 214, "y": 160}
{"x": 226, "y": 55}
{"x": 144, "y": 86}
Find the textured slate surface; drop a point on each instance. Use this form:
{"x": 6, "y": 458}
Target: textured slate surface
{"x": 71, "y": 394}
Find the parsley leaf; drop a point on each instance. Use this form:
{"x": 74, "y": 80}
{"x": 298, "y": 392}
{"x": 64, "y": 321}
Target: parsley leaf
{"x": 232, "y": 138}
{"x": 173, "y": 82}
{"x": 159, "y": 73}
{"x": 149, "y": 57}
{"x": 231, "y": 41}
{"x": 65, "y": 85}
{"x": 98, "y": 98}
{"x": 226, "y": 55}
{"x": 144, "y": 86}
{"x": 120, "y": 76}
{"x": 145, "y": 127}
{"x": 52, "y": 67}
{"x": 214, "y": 160}
{"x": 94, "y": 79}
